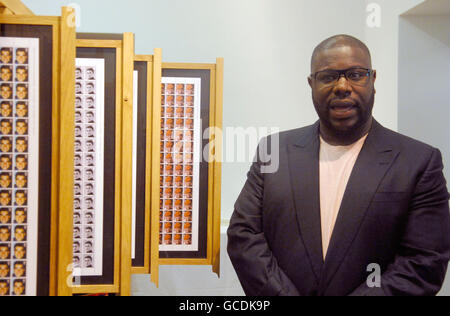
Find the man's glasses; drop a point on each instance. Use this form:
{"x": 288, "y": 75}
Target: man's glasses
{"x": 355, "y": 76}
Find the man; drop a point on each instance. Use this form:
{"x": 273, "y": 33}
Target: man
{"x": 21, "y": 56}
{"x": 21, "y": 74}
{"x": 5, "y": 127}
{"x": 21, "y": 91}
{"x": 4, "y": 270}
{"x": 5, "y": 216}
{"x": 19, "y": 287}
{"x": 21, "y": 127}
{"x": 21, "y": 162}
{"x": 5, "y": 162}
{"x": 21, "y": 198}
{"x": 349, "y": 195}
{"x": 5, "y": 55}
{"x": 6, "y": 91}
{"x": 21, "y": 180}
{"x": 21, "y": 144}
{"x": 20, "y": 216}
{"x": 5, "y": 73}
{"x": 21, "y": 109}
{"x": 20, "y": 251}
{"x": 5, "y": 108}
{"x": 19, "y": 269}
{"x": 5, "y": 180}
{"x": 5, "y": 144}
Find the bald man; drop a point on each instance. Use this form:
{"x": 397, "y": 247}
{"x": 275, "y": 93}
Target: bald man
{"x": 353, "y": 208}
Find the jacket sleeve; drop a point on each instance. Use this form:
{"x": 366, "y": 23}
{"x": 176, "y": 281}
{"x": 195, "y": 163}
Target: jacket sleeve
{"x": 421, "y": 263}
{"x": 248, "y": 249}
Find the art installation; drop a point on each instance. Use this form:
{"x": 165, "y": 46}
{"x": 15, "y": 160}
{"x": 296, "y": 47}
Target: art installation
{"x": 89, "y": 170}
{"x": 19, "y": 165}
{"x": 180, "y": 143}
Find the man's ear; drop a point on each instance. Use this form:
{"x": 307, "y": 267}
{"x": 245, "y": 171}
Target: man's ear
{"x": 310, "y": 81}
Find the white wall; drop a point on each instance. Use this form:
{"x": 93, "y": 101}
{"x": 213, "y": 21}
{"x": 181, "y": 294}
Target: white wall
{"x": 424, "y": 68}
{"x": 267, "y": 46}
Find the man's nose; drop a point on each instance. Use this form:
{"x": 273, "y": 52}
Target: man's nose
{"x": 342, "y": 88}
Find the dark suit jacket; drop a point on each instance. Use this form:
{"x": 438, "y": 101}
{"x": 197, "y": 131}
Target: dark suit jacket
{"x": 394, "y": 213}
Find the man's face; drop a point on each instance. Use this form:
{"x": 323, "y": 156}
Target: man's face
{"x": 4, "y": 234}
{"x": 21, "y": 92}
{"x": 21, "y": 145}
{"x": 6, "y": 56}
{"x": 21, "y": 56}
{"x": 342, "y": 107}
{"x": 5, "y": 216}
{"x": 21, "y": 181}
{"x": 4, "y": 289}
{"x": 5, "y": 180}
{"x": 21, "y": 109}
{"x": 4, "y": 270}
{"x": 5, "y": 145}
{"x": 89, "y": 203}
{"x": 19, "y": 252}
{"x": 21, "y": 163}
{"x": 5, "y": 127}
{"x": 18, "y": 288}
{"x": 90, "y": 88}
{"x": 5, "y": 198}
{"x": 21, "y": 198}
{"x": 19, "y": 234}
{"x": 88, "y": 262}
{"x": 90, "y": 102}
{"x": 21, "y": 127}
{"x": 4, "y": 252}
{"x": 21, "y": 74}
{"x": 5, "y": 109}
{"x": 20, "y": 216}
{"x": 6, "y": 74}
{"x": 19, "y": 270}
{"x": 6, "y": 92}
{"x": 5, "y": 163}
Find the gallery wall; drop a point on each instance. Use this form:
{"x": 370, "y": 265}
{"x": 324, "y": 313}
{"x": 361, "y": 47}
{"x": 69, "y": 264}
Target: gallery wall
{"x": 424, "y": 68}
{"x": 267, "y": 47}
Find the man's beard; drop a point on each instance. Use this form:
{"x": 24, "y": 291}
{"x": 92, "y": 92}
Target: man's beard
{"x": 362, "y": 118}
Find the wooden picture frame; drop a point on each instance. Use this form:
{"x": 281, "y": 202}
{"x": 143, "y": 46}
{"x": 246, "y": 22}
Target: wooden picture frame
{"x": 118, "y": 52}
{"x": 56, "y": 72}
{"x": 149, "y": 74}
{"x": 207, "y": 251}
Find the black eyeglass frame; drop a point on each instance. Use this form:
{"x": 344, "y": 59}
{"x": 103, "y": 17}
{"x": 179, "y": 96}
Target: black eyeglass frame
{"x": 369, "y": 73}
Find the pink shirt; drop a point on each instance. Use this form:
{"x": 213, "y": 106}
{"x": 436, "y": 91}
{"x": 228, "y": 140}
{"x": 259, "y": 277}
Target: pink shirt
{"x": 336, "y": 164}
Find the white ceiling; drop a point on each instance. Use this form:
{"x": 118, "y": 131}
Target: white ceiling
{"x": 431, "y": 7}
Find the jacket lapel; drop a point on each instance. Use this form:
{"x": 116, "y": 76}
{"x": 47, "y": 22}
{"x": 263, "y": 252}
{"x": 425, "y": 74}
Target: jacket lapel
{"x": 303, "y": 157}
{"x": 373, "y": 162}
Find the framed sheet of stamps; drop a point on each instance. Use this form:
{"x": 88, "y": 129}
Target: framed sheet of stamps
{"x": 101, "y": 218}
{"x": 30, "y": 116}
{"x": 189, "y": 180}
